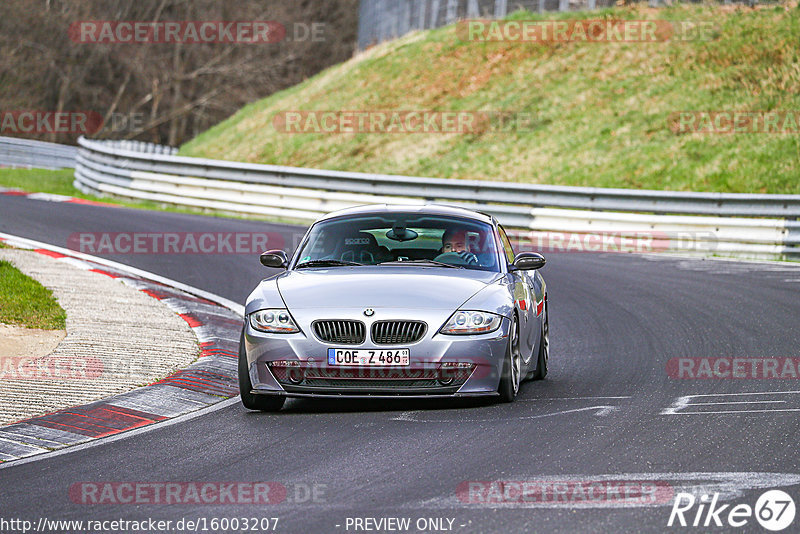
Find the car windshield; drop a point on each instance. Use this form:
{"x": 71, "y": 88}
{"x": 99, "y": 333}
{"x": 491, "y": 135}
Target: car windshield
{"x": 398, "y": 239}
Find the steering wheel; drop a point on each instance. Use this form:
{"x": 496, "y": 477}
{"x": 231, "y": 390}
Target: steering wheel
{"x": 457, "y": 258}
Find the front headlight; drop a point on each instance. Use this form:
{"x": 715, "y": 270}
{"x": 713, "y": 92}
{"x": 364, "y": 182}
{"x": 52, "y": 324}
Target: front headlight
{"x": 471, "y": 322}
{"x": 277, "y": 321}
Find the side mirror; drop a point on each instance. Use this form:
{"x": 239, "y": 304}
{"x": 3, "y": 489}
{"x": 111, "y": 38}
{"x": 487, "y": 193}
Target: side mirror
{"x": 528, "y": 261}
{"x": 274, "y": 258}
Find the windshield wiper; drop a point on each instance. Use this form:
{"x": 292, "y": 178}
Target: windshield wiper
{"x": 430, "y": 262}
{"x": 325, "y": 263}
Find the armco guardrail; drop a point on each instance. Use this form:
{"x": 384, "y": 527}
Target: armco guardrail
{"x": 141, "y": 146}
{"x": 709, "y": 223}
{"x": 16, "y": 152}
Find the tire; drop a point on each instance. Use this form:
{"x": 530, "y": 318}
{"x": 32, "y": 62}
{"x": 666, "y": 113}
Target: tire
{"x": 512, "y": 366}
{"x": 264, "y": 403}
{"x": 544, "y": 349}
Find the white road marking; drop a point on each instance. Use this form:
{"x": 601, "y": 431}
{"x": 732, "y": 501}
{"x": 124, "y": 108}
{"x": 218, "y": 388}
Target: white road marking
{"x": 745, "y": 394}
{"x": 80, "y": 264}
{"x": 606, "y": 410}
{"x": 729, "y": 485}
{"x": 739, "y": 411}
{"x": 736, "y": 402}
{"x": 570, "y": 398}
{"x": 682, "y": 402}
{"x": 49, "y": 197}
{"x": 411, "y": 417}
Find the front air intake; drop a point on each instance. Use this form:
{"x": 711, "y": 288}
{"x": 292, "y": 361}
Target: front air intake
{"x": 340, "y": 331}
{"x": 397, "y": 332}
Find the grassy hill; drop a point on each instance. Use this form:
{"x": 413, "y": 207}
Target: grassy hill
{"x": 602, "y": 111}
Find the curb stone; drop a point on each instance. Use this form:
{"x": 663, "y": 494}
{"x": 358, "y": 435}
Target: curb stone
{"x": 207, "y": 381}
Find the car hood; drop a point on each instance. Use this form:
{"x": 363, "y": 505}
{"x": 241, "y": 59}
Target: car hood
{"x": 381, "y": 287}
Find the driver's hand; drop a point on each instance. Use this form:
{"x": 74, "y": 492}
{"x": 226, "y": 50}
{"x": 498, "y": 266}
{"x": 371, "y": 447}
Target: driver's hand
{"x": 468, "y": 257}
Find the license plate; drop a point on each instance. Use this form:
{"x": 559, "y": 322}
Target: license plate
{"x": 382, "y": 358}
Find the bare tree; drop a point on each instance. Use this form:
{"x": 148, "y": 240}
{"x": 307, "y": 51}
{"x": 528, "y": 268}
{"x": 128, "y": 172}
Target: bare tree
{"x": 161, "y": 92}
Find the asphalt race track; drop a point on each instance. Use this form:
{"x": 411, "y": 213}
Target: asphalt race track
{"x": 608, "y": 411}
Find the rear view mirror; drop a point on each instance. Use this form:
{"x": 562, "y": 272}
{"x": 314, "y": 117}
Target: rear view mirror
{"x": 274, "y": 258}
{"x": 528, "y": 261}
{"x": 400, "y": 233}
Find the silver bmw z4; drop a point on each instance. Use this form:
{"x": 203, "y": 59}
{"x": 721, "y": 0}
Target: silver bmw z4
{"x": 395, "y": 301}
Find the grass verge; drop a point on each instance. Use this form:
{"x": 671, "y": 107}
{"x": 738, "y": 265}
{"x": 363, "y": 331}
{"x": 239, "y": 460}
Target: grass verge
{"x": 601, "y": 111}
{"x": 26, "y": 302}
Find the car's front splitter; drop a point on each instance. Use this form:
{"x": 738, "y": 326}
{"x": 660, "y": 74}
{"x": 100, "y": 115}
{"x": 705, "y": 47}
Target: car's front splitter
{"x": 348, "y": 394}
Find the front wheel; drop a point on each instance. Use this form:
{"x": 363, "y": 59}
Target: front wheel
{"x": 264, "y": 403}
{"x": 512, "y": 366}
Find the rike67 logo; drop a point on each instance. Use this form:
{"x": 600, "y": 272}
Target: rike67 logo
{"x": 774, "y": 510}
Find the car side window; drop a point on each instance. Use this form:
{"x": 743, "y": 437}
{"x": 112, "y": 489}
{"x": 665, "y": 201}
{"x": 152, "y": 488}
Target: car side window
{"x": 506, "y": 245}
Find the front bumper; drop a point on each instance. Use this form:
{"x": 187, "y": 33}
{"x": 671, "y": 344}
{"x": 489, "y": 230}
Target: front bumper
{"x": 440, "y": 366}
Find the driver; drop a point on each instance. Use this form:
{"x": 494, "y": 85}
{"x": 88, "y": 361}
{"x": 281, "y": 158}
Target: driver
{"x": 454, "y": 241}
